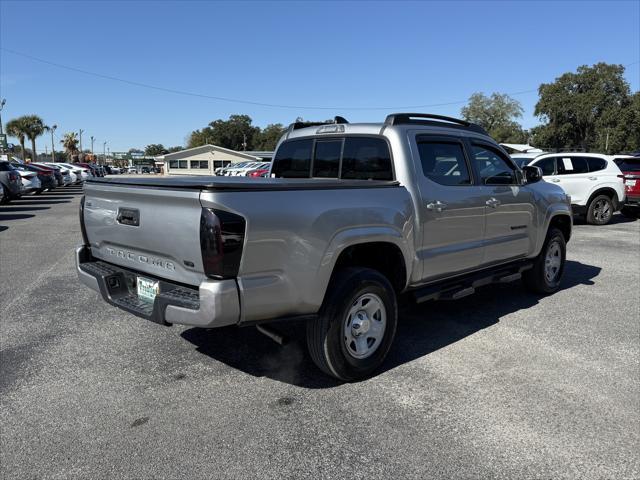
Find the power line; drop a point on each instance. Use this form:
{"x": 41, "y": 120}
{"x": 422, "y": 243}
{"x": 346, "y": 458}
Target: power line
{"x": 247, "y": 102}
{"x": 236, "y": 100}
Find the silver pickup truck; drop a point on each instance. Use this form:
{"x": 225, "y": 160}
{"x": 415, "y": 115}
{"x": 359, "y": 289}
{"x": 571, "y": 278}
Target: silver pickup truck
{"x": 352, "y": 216}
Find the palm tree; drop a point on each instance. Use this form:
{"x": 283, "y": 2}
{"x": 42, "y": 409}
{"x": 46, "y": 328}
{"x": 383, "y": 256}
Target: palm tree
{"x": 35, "y": 128}
{"x": 18, "y": 128}
{"x": 70, "y": 143}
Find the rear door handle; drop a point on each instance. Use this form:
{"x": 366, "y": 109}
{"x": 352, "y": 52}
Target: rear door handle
{"x": 493, "y": 202}
{"x": 593, "y": 178}
{"x": 555, "y": 180}
{"x": 438, "y": 206}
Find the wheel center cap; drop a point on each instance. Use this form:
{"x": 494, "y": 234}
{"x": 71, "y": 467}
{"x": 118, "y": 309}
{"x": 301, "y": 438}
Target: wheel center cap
{"x": 361, "y": 324}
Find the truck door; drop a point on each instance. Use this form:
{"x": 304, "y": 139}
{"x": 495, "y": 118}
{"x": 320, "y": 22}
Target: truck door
{"x": 509, "y": 204}
{"x": 451, "y": 207}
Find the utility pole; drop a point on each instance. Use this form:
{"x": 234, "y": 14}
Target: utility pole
{"x": 606, "y": 143}
{"x": 2, "y": 102}
{"x": 81, "y": 140}
{"x": 92, "y": 140}
{"x": 53, "y": 148}
{"x": 104, "y": 151}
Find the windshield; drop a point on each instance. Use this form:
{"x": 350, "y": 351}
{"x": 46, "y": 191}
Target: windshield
{"x": 521, "y": 161}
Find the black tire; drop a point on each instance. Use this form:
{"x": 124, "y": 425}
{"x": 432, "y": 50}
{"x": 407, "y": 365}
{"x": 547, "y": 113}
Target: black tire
{"x": 6, "y": 198}
{"x": 327, "y": 335}
{"x": 600, "y": 210}
{"x": 39, "y": 191}
{"x": 536, "y": 278}
{"x": 630, "y": 212}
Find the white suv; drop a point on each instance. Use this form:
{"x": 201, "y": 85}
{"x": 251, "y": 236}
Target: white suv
{"x": 594, "y": 182}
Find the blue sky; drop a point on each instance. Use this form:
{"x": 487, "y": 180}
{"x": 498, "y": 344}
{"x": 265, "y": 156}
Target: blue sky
{"x": 328, "y": 54}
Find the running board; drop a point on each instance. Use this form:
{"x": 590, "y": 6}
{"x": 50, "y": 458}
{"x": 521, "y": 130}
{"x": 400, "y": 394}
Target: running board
{"x": 466, "y": 285}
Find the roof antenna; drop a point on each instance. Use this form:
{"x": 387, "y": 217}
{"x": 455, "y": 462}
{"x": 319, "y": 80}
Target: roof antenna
{"x": 339, "y": 119}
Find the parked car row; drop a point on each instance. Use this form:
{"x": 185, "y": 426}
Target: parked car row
{"x": 18, "y": 179}
{"x": 598, "y": 184}
{"x": 245, "y": 169}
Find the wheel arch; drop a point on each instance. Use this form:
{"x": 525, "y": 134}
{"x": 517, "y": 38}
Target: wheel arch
{"x": 609, "y": 192}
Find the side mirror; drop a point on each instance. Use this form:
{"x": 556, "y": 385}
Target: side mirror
{"x": 532, "y": 174}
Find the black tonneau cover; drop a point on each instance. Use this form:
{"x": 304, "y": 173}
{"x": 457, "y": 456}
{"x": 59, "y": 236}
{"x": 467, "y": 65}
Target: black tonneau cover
{"x": 242, "y": 183}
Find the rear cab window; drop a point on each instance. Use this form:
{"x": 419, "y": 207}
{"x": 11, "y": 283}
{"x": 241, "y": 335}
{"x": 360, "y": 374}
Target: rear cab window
{"x": 349, "y": 158}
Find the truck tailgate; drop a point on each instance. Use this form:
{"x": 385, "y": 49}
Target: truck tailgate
{"x": 149, "y": 229}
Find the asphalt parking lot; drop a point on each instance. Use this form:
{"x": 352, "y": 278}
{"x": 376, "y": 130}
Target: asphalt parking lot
{"x": 502, "y": 384}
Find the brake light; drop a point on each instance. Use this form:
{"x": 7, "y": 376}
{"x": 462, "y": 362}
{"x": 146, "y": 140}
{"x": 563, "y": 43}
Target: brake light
{"x": 83, "y": 230}
{"x": 221, "y": 242}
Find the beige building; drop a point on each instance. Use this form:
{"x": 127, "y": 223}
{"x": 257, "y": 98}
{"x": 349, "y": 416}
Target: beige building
{"x": 201, "y": 160}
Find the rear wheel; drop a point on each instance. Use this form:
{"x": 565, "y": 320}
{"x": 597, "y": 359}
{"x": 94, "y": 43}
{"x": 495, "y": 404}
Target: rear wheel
{"x": 546, "y": 274}
{"x": 356, "y": 326}
{"x": 600, "y": 210}
{"x": 6, "y": 198}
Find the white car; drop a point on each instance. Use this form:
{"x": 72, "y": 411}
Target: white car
{"x": 30, "y": 181}
{"x": 78, "y": 173}
{"x": 592, "y": 180}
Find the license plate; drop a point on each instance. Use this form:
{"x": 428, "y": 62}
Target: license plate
{"x": 147, "y": 289}
{"x": 630, "y": 183}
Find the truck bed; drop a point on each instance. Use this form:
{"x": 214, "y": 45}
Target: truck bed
{"x": 218, "y": 183}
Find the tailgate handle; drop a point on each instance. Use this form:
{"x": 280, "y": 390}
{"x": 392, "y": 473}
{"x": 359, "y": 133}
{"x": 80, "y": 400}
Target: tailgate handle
{"x": 129, "y": 216}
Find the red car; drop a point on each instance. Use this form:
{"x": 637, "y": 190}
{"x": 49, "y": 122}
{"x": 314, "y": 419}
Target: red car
{"x": 630, "y": 168}
{"x": 260, "y": 172}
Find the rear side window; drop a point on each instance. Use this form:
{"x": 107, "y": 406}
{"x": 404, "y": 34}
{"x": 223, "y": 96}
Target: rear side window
{"x": 366, "y": 158}
{"x": 293, "y": 159}
{"x": 596, "y": 164}
{"x": 572, "y": 165}
{"x": 444, "y": 163}
{"x": 547, "y": 165}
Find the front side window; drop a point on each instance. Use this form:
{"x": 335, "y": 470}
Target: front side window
{"x": 444, "y": 162}
{"x": 492, "y": 167}
{"x": 326, "y": 161}
{"x": 293, "y": 159}
{"x": 572, "y": 165}
{"x": 547, "y": 165}
{"x": 366, "y": 158}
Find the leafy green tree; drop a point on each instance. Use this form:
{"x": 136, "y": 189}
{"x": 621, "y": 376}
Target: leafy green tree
{"x": 174, "y": 149}
{"x": 496, "y": 114}
{"x": 34, "y": 128}
{"x": 18, "y": 128}
{"x": 267, "y": 138}
{"x": 136, "y": 150}
{"x": 70, "y": 143}
{"x": 580, "y": 108}
{"x": 155, "y": 149}
{"x": 237, "y": 133}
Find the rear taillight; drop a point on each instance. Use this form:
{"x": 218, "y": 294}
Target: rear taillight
{"x": 83, "y": 230}
{"x": 221, "y": 241}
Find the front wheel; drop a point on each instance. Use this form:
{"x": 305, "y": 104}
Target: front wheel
{"x": 548, "y": 267}
{"x": 600, "y": 210}
{"x": 356, "y": 326}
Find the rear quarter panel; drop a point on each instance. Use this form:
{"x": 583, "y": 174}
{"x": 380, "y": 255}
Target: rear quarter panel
{"x": 294, "y": 237}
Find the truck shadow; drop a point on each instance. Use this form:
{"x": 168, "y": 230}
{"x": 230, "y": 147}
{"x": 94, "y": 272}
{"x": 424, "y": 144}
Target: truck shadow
{"x": 422, "y": 329}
